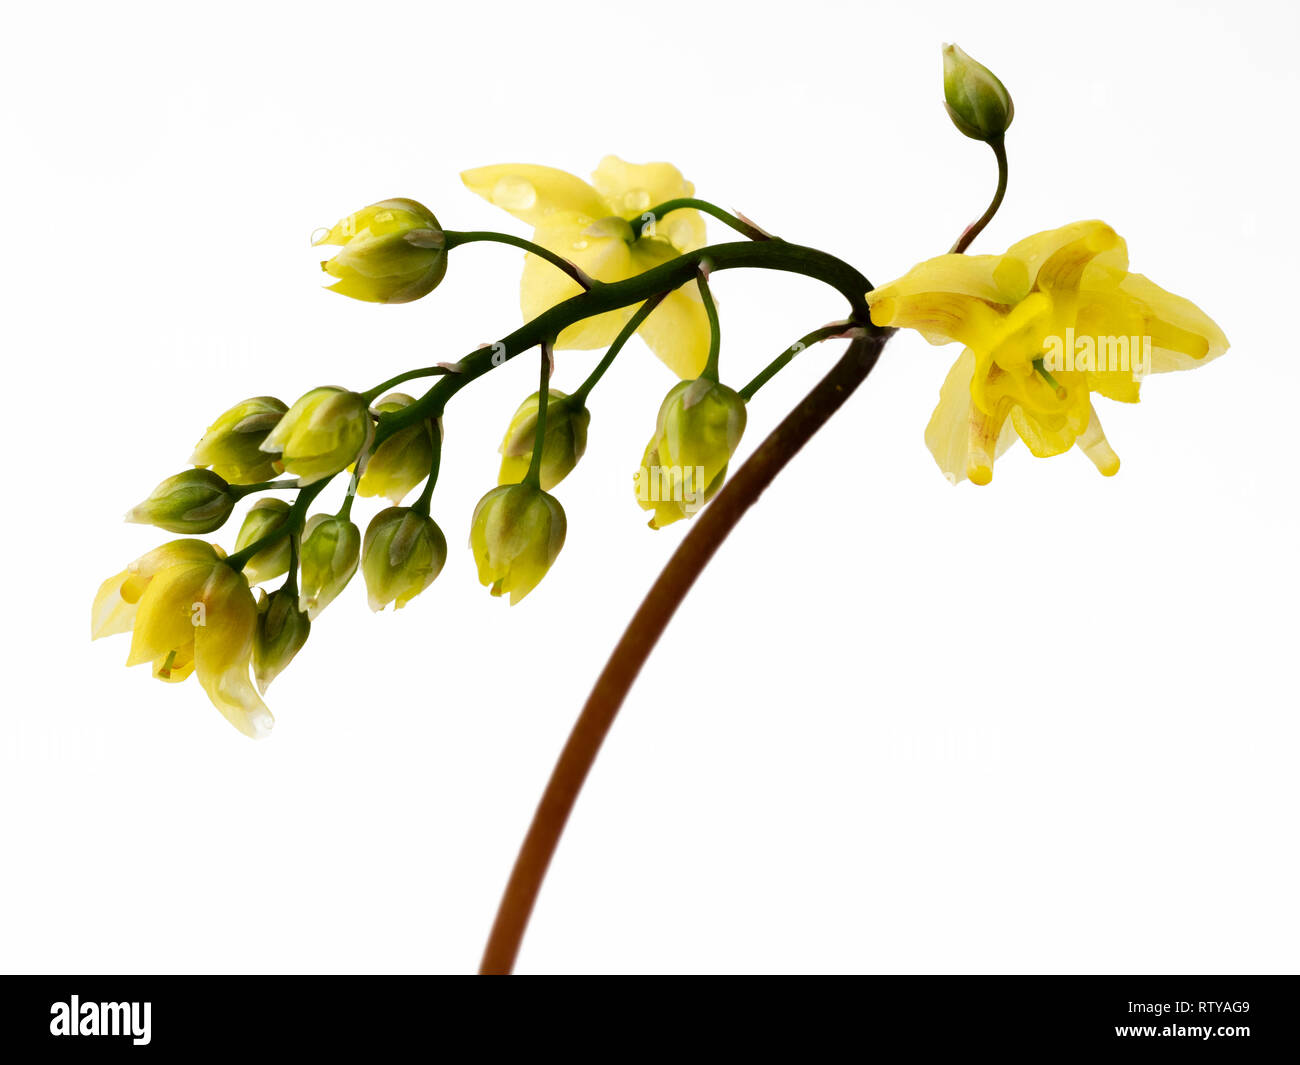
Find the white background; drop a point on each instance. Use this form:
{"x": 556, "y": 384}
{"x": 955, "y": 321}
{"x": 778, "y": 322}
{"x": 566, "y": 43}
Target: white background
{"x": 1044, "y": 726}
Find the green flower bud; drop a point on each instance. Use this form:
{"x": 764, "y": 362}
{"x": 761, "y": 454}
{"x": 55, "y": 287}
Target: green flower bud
{"x": 195, "y": 501}
{"x": 262, "y": 519}
{"x": 232, "y": 446}
{"x": 393, "y": 252}
{"x": 330, "y": 551}
{"x": 565, "y": 441}
{"x": 403, "y": 553}
{"x": 699, "y": 428}
{"x": 977, "y": 102}
{"x": 321, "y": 434}
{"x": 282, "y": 629}
{"x": 516, "y": 534}
{"x": 400, "y": 462}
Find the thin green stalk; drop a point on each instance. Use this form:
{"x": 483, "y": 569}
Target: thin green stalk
{"x": 977, "y": 227}
{"x": 653, "y": 215}
{"x": 781, "y": 361}
{"x": 455, "y": 239}
{"x": 241, "y": 490}
{"x": 715, "y": 330}
{"x": 633, "y": 324}
{"x": 292, "y": 524}
{"x": 435, "y": 440}
{"x": 534, "y": 474}
{"x": 409, "y": 375}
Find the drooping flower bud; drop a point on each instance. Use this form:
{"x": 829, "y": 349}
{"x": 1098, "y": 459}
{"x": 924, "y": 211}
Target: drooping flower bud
{"x": 262, "y": 519}
{"x": 566, "y": 439}
{"x": 977, "y": 102}
{"x": 403, "y": 460}
{"x": 393, "y": 252}
{"x": 282, "y": 629}
{"x": 195, "y": 501}
{"x": 699, "y": 428}
{"x": 404, "y": 551}
{"x": 330, "y": 551}
{"x": 232, "y": 446}
{"x": 322, "y": 433}
{"x": 516, "y": 534}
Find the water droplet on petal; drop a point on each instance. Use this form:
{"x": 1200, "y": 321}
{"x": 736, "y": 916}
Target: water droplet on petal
{"x": 579, "y": 245}
{"x": 636, "y": 200}
{"x": 514, "y": 194}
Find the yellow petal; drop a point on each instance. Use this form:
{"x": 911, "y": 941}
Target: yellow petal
{"x": 111, "y": 614}
{"x": 678, "y": 329}
{"x": 949, "y": 434}
{"x": 1093, "y": 443}
{"x": 167, "y": 612}
{"x": 1182, "y": 335}
{"x": 223, "y": 649}
{"x": 534, "y": 193}
{"x": 951, "y": 297}
{"x": 1058, "y": 260}
{"x": 631, "y": 188}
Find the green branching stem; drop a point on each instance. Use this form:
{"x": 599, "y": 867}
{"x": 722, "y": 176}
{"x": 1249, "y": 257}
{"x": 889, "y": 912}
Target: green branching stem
{"x": 455, "y": 239}
{"x": 650, "y": 217}
{"x": 826, "y": 332}
{"x": 421, "y": 505}
{"x": 534, "y": 474}
{"x": 633, "y": 324}
{"x": 292, "y": 525}
{"x": 715, "y": 329}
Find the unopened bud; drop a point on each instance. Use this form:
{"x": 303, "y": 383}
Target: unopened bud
{"x": 195, "y": 501}
{"x": 977, "y": 102}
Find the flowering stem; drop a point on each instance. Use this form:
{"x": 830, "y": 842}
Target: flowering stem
{"x": 781, "y": 361}
{"x": 559, "y": 262}
{"x": 975, "y": 228}
{"x": 633, "y": 324}
{"x": 766, "y": 255}
{"x": 649, "y": 622}
{"x": 715, "y": 329}
{"x": 241, "y": 490}
{"x": 534, "y": 474}
{"x": 653, "y": 215}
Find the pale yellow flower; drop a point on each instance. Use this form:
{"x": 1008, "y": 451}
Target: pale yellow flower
{"x": 1054, "y": 320}
{"x": 588, "y": 225}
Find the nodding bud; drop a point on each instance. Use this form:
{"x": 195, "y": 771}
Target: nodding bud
{"x": 565, "y": 441}
{"x": 321, "y": 434}
{"x": 282, "y": 629}
{"x": 232, "y": 446}
{"x": 195, "y": 501}
{"x": 977, "y": 101}
{"x": 403, "y": 553}
{"x": 330, "y": 551}
{"x": 699, "y": 428}
{"x": 516, "y": 534}
{"x": 403, "y": 460}
{"x": 393, "y": 251}
{"x": 263, "y": 518}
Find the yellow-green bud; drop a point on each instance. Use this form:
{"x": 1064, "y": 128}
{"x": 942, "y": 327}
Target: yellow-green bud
{"x": 282, "y": 629}
{"x": 977, "y": 102}
{"x": 195, "y": 501}
{"x": 321, "y": 434}
{"x": 699, "y": 428}
{"x": 403, "y": 553}
{"x": 563, "y": 446}
{"x": 262, "y": 519}
{"x": 393, "y": 252}
{"x": 516, "y": 534}
{"x": 330, "y": 551}
{"x": 232, "y": 446}
{"x": 403, "y": 460}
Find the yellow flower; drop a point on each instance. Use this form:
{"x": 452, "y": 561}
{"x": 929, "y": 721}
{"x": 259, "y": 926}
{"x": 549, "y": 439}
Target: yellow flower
{"x": 232, "y": 446}
{"x": 564, "y": 444}
{"x": 393, "y": 252}
{"x": 403, "y": 460}
{"x": 322, "y": 433}
{"x": 588, "y": 225}
{"x": 1055, "y": 319}
{"x": 189, "y": 612}
{"x": 516, "y": 534}
{"x": 699, "y": 428}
